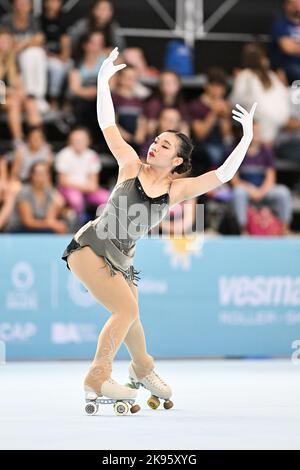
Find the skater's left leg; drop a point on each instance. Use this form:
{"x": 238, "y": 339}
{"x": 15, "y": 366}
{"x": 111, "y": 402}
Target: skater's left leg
{"x": 135, "y": 342}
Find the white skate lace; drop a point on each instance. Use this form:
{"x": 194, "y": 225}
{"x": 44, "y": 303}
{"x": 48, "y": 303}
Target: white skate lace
{"x": 155, "y": 380}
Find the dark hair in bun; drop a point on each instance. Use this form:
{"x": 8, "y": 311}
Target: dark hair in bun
{"x": 184, "y": 151}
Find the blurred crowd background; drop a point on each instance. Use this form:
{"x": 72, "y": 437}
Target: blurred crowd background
{"x": 55, "y": 168}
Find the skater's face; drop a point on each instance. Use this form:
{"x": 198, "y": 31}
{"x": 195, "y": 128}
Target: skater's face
{"x": 79, "y": 140}
{"x": 169, "y": 119}
{"x": 163, "y": 151}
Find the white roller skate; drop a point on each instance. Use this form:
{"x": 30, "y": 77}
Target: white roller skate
{"x": 121, "y": 397}
{"x": 157, "y": 387}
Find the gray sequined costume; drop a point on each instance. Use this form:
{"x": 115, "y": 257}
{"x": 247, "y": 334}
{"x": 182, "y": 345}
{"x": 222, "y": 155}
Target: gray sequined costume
{"x": 118, "y": 247}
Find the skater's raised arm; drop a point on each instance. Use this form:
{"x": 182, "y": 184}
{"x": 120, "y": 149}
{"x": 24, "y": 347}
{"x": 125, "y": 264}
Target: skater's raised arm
{"x": 122, "y": 151}
{"x": 187, "y": 188}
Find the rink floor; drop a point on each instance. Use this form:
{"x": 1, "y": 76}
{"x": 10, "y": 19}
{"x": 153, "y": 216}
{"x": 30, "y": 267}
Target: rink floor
{"x": 219, "y": 404}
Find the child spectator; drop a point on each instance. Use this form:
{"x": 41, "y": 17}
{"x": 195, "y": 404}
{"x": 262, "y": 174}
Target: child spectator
{"x": 36, "y": 149}
{"x": 15, "y": 97}
{"x": 210, "y": 120}
{"x": 129, "y": 109}
{"x": 57, "y": 45}
{"x": 169, "y": 93}
{"x": 78, "y": 170}
{"x": 29, "y": 41}
{"x": 37, "y": 207}
{"x": 285, "y": 40}
{"x": 256, "y": 181}
{"x": 257, "y": 82}
{"x": 101, "y": 19}
{"x": 83, "y": 81}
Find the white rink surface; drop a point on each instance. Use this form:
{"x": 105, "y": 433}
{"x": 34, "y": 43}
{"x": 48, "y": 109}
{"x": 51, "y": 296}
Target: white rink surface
{"x": 238, "y": 404}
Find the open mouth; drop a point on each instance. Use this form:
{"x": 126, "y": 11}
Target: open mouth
{"x": 151, "y": 154}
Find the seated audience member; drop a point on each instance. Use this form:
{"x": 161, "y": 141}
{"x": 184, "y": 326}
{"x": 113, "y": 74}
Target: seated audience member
{"x": 211, "y": 120}
{"x": 83, "y": 81}
{"x": 36, "y": 149}
{"x": 257, "y": 82}
{"x": 286, "y": 40}
{"x": 36, "y": 207}
{"x": 15, "y": 97}
{"x": 101, "y": 19}
{"x": 29, "y": 48}
{"x": 256, "y": 181}
{"x": 7, "y": 204}
{"x": 129, "y": 109}
{"x": 78, "y": 169}
{"x": 58, "y": 47}
{"x": 287, "y": 145}
{"x": 135, "y": 57}
{"x": 169, "y": 93}
{"x": 169, "y": 118}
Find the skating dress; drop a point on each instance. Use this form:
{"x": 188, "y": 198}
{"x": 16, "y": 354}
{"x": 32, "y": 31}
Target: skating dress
{"x": 118, "y": 246}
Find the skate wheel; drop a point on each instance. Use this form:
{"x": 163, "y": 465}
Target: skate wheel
{"x": 153, "y": 402}
{"x": 135, "y": 408}
{"x": 91, "y": 408}
{"x": 168, "y": 404}
{"x": 121, "y": 408}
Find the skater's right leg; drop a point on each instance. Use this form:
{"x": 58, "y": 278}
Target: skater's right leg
{"x": 115, "y": 295}
{"x": 135, "y": 342}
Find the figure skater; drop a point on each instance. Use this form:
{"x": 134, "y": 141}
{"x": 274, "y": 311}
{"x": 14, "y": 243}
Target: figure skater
{"x": 102, "y": 259}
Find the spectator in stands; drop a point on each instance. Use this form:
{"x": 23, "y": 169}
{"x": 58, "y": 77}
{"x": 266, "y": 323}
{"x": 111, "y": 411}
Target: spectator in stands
{"x": 83, "y": 81}
{"x": 57, "y": 45}
{"x": 7, "y": 204}
{"x": 36, "y": 149}
{"x": 287, "y": 145}
{"x": 286, "y": 40}
{"x": 257, "y": 82}
{"x": 169, "y": 93}
{"x": 28, "y": 46}
{"x": 256, "y": 181}
{"x": 210, "y": 120}
{"x": 101, "y": 19}
{"x": 129, "y": 109}
{"x": 15, "y": 96}
{"x": 135, "y": 56}
{"x": 169, "y": 118}
{"x": 37, "y": 207}
{"x": 78, "y": 169}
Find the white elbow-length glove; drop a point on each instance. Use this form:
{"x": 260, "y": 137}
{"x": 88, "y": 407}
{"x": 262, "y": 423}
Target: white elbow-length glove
{"x": 105, "y": 107}
{"x": 228, "y": 169}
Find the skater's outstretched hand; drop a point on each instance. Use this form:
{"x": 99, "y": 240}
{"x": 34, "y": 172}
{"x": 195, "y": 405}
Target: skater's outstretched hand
{"x": 108, "y": 69}
{"x": 245, "y": 118}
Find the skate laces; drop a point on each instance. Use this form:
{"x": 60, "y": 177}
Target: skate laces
{"x": 155, "y": 380}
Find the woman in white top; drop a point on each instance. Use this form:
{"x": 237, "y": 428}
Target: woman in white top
{"x": 258, "y": 83}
